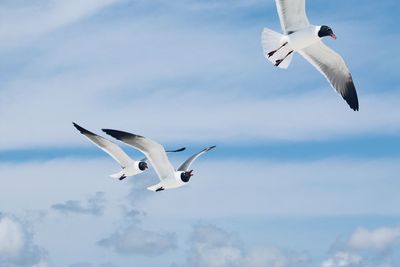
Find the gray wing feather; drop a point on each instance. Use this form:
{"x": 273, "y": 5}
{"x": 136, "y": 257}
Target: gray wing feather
{"x": 153, "y": 151}
{"x": 292, "y": 15}
{"x": 107, "y": 146}
{"x": 333, "y": 67}
{"x": 186, "y": 165}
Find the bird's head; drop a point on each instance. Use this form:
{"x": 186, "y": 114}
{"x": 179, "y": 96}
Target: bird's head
{"x": 185, "y": 176}
{"x": 143, "y": 166}
{"x": 326, "y": 31}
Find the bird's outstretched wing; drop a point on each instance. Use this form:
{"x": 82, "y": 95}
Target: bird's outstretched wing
{"x": 109, "y": 147}
{"x": 292, "y": 15}
{"x": 333, "y": 67}
{"x": 186, "y": 165}
{"x": 153, "y": 151}
{"x": 169, "y": 151}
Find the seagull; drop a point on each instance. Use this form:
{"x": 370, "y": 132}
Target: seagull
{"x": 169, "y": 177}
{"x": 129, "y": 166}
{"x": 302, "y": 37}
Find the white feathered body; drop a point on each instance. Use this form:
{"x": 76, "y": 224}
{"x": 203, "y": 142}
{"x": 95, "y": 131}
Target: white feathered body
{"x": 303, "y": 38}
{"x": 170, "y": 182}
{"x": 127, "y": 171}
{"x": 296, "y": 41}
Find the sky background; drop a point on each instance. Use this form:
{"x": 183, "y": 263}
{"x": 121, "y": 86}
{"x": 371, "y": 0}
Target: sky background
{"x": 297, "y": 178}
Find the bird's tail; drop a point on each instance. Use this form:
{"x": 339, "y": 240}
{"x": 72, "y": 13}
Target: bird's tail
{"x": 119, "y": 175}
{"x": 156, "y": 187}
{"x": 273, "y": 49}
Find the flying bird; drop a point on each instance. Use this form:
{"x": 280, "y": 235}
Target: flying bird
{"x": 302, "y": 37}
{"x": 155, "y": 153}
{"x": 129, "y": 166}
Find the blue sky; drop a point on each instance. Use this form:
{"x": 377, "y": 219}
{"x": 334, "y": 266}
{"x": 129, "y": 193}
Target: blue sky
{"x": 297, "y": 179}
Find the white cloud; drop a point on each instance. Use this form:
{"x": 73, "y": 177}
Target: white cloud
{"x": 366, "y": 248}
{"x": 344, "y": 259}
{"x": 312, "y": 188}
{"x": 17, "y": 248}
{"x": 211, "y": 246}
{"x": 379, "y": 239}
{"x": 12, "y": 239}
{"x": 275, "y": 257}
{"x": 130, "y": 238}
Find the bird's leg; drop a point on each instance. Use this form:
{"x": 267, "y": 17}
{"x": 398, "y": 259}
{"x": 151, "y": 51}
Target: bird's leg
{"x": 270, "y": 54}
{"x": 122, "y": 177}
{"x": 279, "y": 61}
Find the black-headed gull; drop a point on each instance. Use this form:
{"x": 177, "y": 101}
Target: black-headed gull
{"x": 129, "y": 166}
{"x": 155, "y": 153}
{"x": 302, "y": 37}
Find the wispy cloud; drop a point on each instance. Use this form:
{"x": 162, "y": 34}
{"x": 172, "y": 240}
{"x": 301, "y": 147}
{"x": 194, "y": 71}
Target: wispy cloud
{"x": 322, "y": 187}
{"x": 22, "y": 21}
{"x": 94, "y": 205}
{"x": 297, "y": 122}
{"x": 116, "y": 66}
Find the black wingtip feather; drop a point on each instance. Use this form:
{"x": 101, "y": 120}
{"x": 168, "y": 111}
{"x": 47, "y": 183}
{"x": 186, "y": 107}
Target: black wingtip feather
{"x": 81, "y": 129}
{"x": 351, "y": 95}
{"x": 120, "y": 135}
{"x": 177, "y": 150}
{"x": 211, "y": 147}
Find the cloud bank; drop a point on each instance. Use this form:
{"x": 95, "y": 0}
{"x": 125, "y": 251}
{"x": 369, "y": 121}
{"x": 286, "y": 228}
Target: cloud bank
{"x": 211, "y": 246}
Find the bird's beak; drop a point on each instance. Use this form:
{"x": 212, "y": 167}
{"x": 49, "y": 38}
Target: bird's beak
{"x": 333, "y": 36}
{"x": 190, "y": 173}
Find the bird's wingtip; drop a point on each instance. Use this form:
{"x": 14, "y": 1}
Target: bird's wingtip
{"x": 81, "y": 129}
{"x": 353, "y": 104}
{"x": 111, "y": 132}
{"x": 176, "y": 150}
{"x": 119, "y": 134}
